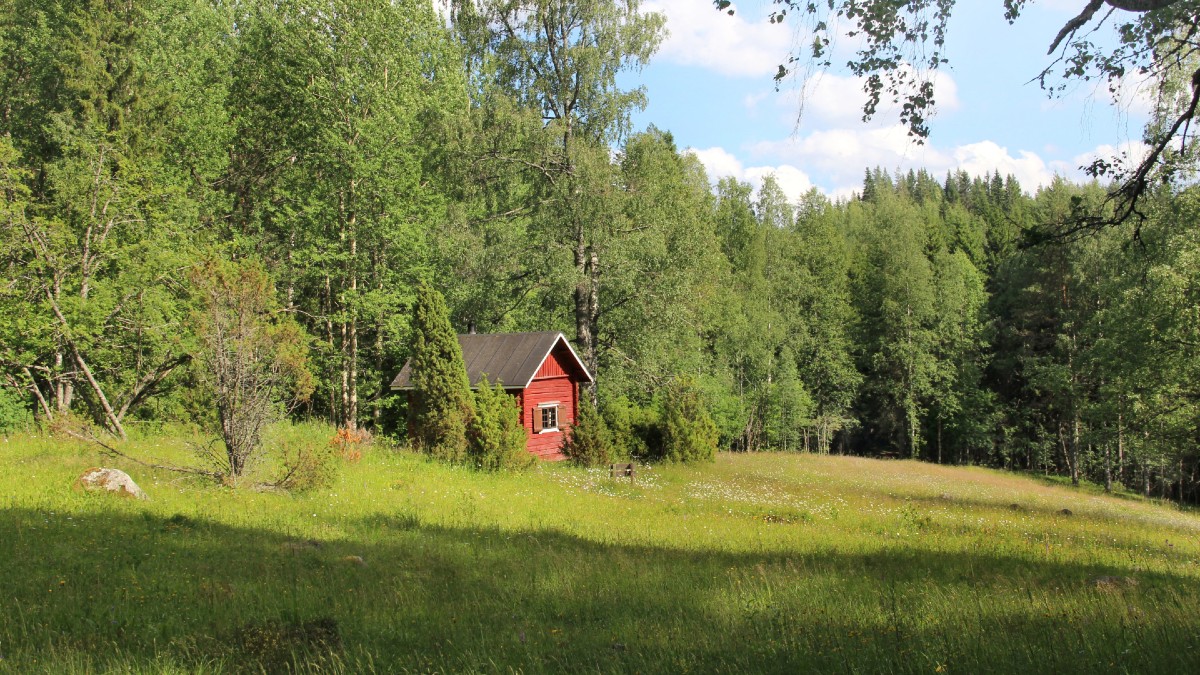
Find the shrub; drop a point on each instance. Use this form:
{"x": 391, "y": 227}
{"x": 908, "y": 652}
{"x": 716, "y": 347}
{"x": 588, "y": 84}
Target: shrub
{"x": 14, "y": 411}
{"x": 636, "y": 431}
{"x": 306, "y": 460}
{"x": 350, "y": 443}
{"x": 689, "y": 434}
{"x": 251, "y": 356}
{"x": 442, "y": 398}
{"x": 589, "y": 442}
{"x": 495, "y": 437}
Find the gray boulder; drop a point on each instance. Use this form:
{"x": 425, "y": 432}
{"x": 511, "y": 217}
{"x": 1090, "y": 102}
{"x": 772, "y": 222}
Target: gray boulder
{"x": 113, "y": 481}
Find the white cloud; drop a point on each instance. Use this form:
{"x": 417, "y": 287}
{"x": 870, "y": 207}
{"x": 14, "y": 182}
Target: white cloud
{"x": 719, "y": 163}
{"x": 1129, "y": 153}
{"x": 834, "y": 160}
{"x": 791, "y": 180}
{"x": 737, "y": 46}
{"x": 838, "y": 157}
{"x": 984, "y": 157}
{"x": 826, "y": 97}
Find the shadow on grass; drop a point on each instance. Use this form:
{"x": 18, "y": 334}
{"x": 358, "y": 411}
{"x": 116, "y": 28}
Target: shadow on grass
{"x": 121, "y": 590}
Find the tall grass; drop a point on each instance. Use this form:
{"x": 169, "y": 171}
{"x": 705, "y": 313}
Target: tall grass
{"x": 757, "y": 563}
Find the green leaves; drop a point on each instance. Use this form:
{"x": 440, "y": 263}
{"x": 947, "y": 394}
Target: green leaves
{"x": 495, "y": 437}
{"x": 252, "y": 358}
{"x": 688, "y": 434}
{"x": 589, "y": 443}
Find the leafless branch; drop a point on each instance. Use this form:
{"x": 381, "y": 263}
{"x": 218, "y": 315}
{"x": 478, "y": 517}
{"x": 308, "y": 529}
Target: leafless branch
{"x": 87, "y": 436}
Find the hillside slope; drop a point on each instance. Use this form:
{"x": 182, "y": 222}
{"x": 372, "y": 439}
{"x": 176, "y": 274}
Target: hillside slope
{"x": 757, "y": 563}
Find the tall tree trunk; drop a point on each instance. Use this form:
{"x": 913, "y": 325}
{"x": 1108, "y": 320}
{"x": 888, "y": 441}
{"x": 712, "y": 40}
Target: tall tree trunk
{"x": 1181, "y": 481}
{"x": 110, "y": 418}
{"x": 64, "y": 388}
{"x": 586, "y": 298}
{"x": 939, "y": 438}
{"x": 1108, "y": 474}
{"x": 345, "y": 372}
{"x": 1120, "y": 448}
{"x": 352, "y": 365}
{"x": 344, "y": 327}
{"x": 1064, "y": 447}
{"x": 1075, "y": 449}
{"x": 377, "y": 400}
{"x": 333, "y": 407}
{"x": 291, "y": 285}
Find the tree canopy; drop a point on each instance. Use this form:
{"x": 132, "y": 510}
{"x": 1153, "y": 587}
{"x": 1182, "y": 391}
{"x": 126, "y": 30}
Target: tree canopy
{"x": 170, "y": 165}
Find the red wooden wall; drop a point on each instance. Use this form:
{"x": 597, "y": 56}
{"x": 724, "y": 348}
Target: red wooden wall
{"x": 551, "y": 383}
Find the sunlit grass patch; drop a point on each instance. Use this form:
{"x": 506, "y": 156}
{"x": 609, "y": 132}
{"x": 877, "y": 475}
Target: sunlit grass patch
{"x": 785, "y": 563}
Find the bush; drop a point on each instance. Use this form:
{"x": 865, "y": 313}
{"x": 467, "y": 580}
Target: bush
{"x": 307, "y": 459}
{"x": 441, "y": 408}
{"x": 251, "y": 356}
{"x": 689, "y": 434}
{"x": 350, "y": 443}
{"x": 495, "y": 437}
{"x": 589, "y": 442}
{"x": 636, "y": 431}
{"x": 14, "y": 411}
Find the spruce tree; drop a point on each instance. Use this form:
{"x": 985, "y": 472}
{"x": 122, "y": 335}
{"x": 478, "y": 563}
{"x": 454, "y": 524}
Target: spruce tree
{"x": 442, "y": 405}
{"x": 495, "y": 436}
{"x": 589, "y": 443}
{"x": 689, "y": 434}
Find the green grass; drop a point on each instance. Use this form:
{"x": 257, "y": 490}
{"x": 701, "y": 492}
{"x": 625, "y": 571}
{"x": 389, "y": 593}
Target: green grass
{"x": 759, "y": 563}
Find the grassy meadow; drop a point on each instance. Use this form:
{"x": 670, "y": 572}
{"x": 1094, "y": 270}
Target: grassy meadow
{"x": 757, "y": 563}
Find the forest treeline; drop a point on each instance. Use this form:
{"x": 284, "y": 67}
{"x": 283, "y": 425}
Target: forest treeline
{"x": 355, "y": 148}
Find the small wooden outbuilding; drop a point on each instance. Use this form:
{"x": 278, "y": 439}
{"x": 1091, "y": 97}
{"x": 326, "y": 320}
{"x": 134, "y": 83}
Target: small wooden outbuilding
{"x": 540, "y": 369}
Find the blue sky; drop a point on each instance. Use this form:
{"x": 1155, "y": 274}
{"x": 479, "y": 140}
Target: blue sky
{"x": 711, "y": 86}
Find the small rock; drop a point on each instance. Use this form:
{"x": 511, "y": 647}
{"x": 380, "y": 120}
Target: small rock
{"x": 354, "y": 560}
{"x": 115, "y": 481}
{"x": 1066, "y": 512}
{"x": 304, "y": 545}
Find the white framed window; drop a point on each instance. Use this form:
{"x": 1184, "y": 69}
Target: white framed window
{"x": 545, "y": 418}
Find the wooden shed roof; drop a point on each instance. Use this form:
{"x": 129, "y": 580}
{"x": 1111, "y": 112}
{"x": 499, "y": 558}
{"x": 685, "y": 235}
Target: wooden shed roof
{"x": 509, "y": 358}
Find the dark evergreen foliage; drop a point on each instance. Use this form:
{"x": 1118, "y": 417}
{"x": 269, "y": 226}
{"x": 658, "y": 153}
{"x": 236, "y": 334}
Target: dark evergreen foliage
{"x": 689, "y": 434}
{"x": 589, "y": 442}
{"x": 441, "y": 405}
{"x": 495, "y": 437}
{"x": 635, "y": 429}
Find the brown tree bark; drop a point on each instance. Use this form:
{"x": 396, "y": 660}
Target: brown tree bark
{"x": 587, "y": 302}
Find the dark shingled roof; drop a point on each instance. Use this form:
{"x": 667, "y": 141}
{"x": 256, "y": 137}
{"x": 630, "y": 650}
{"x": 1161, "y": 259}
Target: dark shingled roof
{"x": 509, "y": 358}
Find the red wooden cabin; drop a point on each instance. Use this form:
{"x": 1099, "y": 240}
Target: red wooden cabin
{"x": 540, "y": 369}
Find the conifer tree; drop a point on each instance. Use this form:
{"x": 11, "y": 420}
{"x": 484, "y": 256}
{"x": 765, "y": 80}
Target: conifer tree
{"x": 689, "y": 434}
{"x": 589, "y": 443}
{"x": 442, "y": 406}
{"x": 495, "y": 437}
